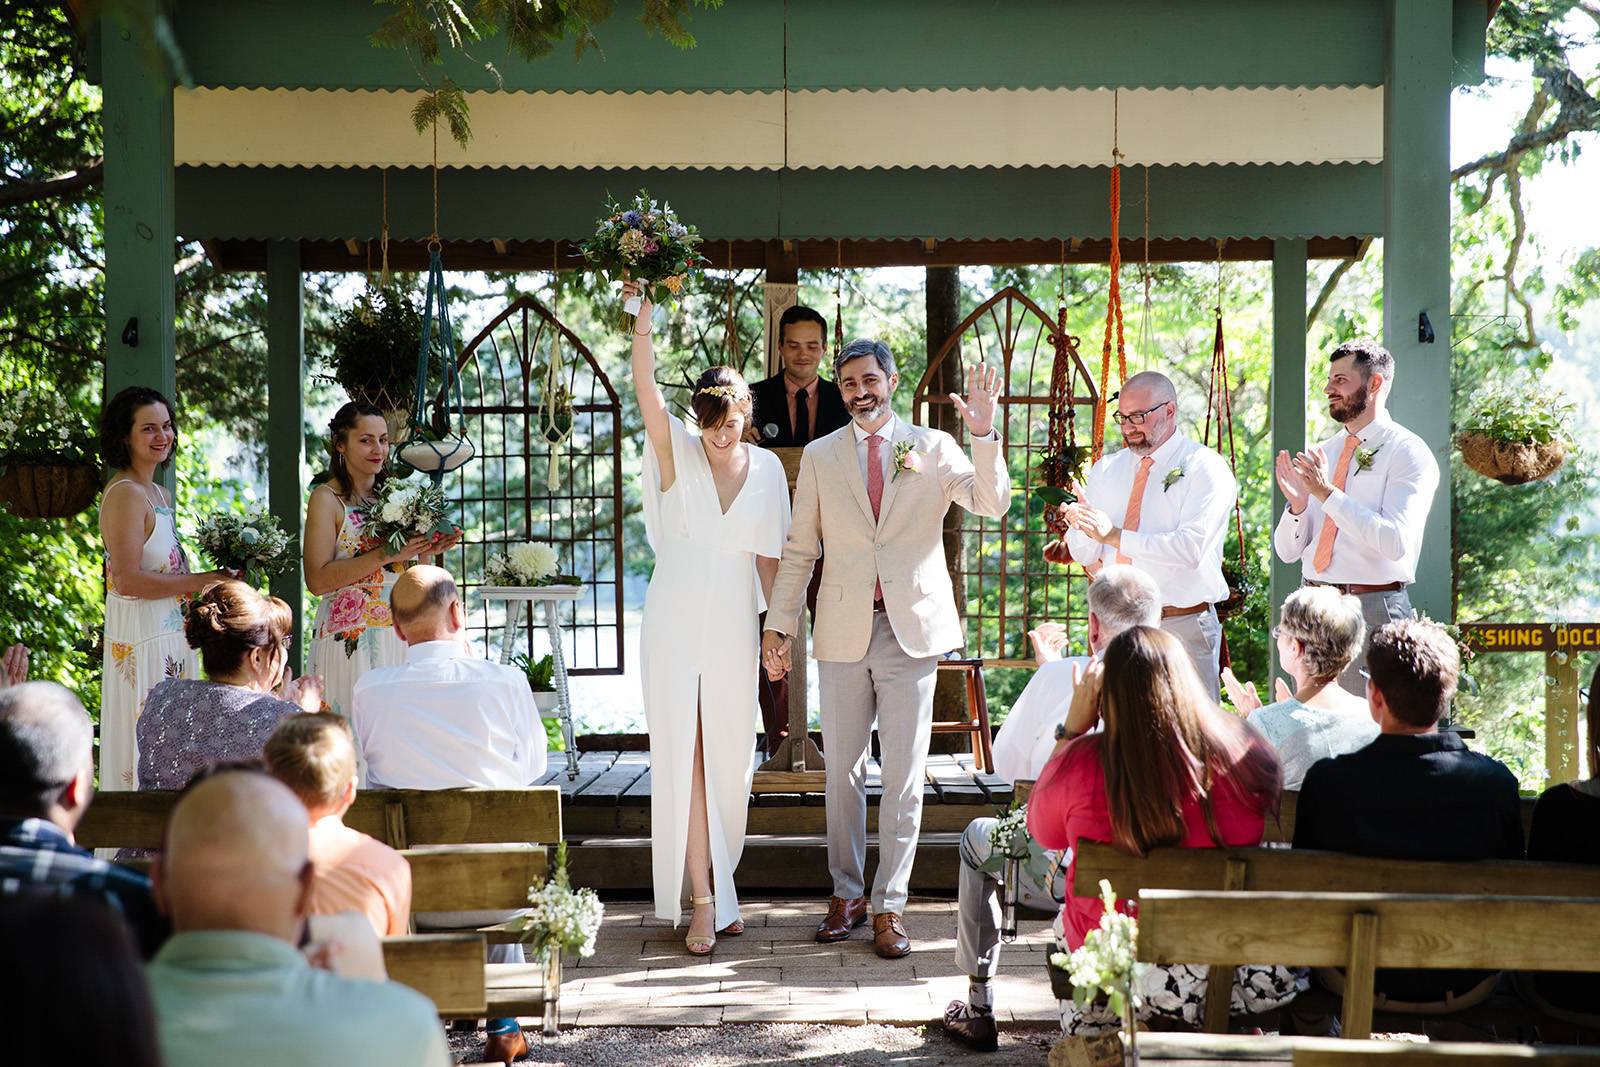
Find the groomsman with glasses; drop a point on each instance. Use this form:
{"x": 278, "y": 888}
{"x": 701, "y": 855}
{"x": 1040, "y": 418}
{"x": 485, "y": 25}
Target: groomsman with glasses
{"x": 793, "y": 408}
{"x": 1357, "y": 502}
{"x": 1160, "y": 504}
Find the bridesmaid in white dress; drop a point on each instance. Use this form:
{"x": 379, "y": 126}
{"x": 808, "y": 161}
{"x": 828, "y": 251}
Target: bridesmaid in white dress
{"x": 147, "y": 576}
{"x": 716, "y": 511}
{"x": 349, "y": 569}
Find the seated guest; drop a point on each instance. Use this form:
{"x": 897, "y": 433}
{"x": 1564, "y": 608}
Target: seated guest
{"x": 1319, "y": 633}
{"x": 315, "y": 756}
{"x": 242, "y": 638}
{"x": 447, "y": 719}
{"x": 77, "y": 986}
{"x": 235, "y": 878}
{"x": 46, "y": 783}
{"x": 1413, "y": 793}
{"x": 1120, "y": 597}
{"x": 1563, "y": 831}
{"x": 1169, "y": 768}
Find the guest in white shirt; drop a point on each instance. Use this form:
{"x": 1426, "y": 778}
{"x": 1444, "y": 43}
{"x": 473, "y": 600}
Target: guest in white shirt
{"x": 447, "y": 719}
{"x": 1357, "y": 502}
{"x": 1161, "y": 504}
{"x": 1120, "y": 598}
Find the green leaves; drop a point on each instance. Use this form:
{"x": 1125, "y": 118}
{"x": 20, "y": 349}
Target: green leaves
{"x": 449, "y": 104}
{"x": 1519, "y": 411}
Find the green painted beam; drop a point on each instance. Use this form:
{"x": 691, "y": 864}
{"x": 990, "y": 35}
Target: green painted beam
{"x": 829, "y": 44}
{"x": 286, "y": 415}
{"x": 972, "y": 203}
{"x": 1416, "y": 259}
{"x": 1469, "y": 42}
{"x": 1288, "y": 401}
{"x": 139, "y": 235}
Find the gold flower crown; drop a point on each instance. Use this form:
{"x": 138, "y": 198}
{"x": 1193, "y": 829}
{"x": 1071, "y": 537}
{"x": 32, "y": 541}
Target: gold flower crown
{"x": 730, "y": 392}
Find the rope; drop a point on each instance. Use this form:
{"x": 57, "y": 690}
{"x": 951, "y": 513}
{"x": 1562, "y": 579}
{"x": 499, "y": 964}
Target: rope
{"x": 730, "y": 327}
{"x": 838, "y": 296}
{"x": 1219, "y": 401}
{"x": 1147, "y": 332}
{"x": 549, "y": 415}
{"x": 385, "y": 277}
{"x": 1113, "y": 314}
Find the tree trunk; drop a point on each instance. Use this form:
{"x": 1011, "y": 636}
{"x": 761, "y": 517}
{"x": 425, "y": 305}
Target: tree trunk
{"x": 943, "y": 315}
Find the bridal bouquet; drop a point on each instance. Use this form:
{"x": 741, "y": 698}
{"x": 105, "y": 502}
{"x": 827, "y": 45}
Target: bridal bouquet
{"x": 252, "y": 543}
{"x": 644, "y": 241}
{"x": 560, "y": 917}
{"x": 404, "y": 510}
{"x": 531, "y": 564}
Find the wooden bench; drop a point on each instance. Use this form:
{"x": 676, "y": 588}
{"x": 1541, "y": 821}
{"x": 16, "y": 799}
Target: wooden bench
{"x": 1304, "y": 871}
{"x": 448, "y": 969}
{"x": 1268, "y": 1050}
{"x": 1362, "y": 932}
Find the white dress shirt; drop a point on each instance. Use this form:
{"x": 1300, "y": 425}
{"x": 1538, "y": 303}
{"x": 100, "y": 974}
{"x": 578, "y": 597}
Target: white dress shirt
{"x": 1183, "y": 522}
{"x": 1380, "y": 511}
{"x": 1023, "y": 744}
{"x": 885, "y": 452}
{"x": 445, "y": 719}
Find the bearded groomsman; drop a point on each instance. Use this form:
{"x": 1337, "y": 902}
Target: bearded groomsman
{"x": 1161, "y": 504}
{"x": 1359, "y": 528}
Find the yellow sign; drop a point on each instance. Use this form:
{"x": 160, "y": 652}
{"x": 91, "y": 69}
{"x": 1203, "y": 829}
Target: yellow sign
{"x": 1532, "y": 637}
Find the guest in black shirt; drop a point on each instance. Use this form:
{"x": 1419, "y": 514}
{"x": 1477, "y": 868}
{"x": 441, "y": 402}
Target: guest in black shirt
{"x": 1413, "y": 793}
{"x": 793, "y": 408}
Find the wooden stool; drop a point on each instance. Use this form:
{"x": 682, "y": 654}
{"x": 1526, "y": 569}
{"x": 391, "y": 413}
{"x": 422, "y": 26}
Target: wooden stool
{"x": 976, "y": 723}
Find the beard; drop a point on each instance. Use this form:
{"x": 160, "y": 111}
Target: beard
{"x": 1343, "y": 409}
{"x": 860, "y": 411}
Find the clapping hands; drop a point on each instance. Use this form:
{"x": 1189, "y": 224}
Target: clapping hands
{"x": 1243, "y": 696}
{"x": 1047, "y": 639}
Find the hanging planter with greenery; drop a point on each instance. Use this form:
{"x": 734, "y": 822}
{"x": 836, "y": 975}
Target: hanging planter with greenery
{"x": 48, "y": 467}
{"x": 1516, "y": 433}
{"x": 374, "y": 354}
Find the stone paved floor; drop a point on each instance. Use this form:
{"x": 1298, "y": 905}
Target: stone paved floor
{"x": 640, "y": 974}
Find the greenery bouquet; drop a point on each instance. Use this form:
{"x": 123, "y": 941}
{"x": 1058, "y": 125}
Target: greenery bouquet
{"x": 644, "y": 242}
{"x": 560, "y": 918}
{"x": 404, "y": 510}
{"x": 249, "y": 542}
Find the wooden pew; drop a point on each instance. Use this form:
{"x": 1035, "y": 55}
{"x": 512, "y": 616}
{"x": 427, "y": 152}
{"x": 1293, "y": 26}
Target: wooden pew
{"x": 1332, "y": 1052}
{"x": 1362, "y": 932}
{"x": 448, "y": 969}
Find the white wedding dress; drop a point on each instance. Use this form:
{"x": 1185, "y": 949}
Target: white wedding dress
{"x": 700, "y": 643}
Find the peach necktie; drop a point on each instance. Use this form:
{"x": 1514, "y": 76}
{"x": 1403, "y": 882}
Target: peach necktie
{"x": 1330, "y": 529}
{"x": 1130, "y": 518}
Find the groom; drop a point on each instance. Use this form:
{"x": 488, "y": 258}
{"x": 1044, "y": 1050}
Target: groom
{"x": 875, "y": 494}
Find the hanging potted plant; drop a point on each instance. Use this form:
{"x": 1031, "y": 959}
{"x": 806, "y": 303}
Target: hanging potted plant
{"x": 48, "y": 467}
{"x": 1516, "y": 433}
{"x": 374, "y": 354}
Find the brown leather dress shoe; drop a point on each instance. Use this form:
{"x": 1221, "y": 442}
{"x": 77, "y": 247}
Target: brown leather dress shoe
{"x": 975, "y": 1029}
{"x": 889, "y": 938}
{"x": 505, "y": 1047}
{"x": 843, "y": 916}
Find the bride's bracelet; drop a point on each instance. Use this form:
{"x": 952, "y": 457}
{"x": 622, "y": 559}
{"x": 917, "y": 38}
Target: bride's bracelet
{"x": 646, "y": 333}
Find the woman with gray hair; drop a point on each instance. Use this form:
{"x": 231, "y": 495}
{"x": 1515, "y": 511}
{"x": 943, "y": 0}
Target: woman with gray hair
{"x": 1319, "y": 632}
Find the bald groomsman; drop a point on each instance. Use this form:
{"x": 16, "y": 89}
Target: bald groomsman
{"x": 1161, "y": 504}
{"x": 1358, "y": 501}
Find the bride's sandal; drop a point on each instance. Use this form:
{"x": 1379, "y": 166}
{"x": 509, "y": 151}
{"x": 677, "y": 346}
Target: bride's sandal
{"x": 700, "y": 944}
{"x": 733, "y": 929}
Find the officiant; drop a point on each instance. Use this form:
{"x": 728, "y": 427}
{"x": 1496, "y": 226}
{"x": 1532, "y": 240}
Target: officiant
{"x": 793, "y": 408}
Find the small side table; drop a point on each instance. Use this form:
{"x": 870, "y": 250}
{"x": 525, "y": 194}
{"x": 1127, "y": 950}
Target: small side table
{"x": 548, "y": 595}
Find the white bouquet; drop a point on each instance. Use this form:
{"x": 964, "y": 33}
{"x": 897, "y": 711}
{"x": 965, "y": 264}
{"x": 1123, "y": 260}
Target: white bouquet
{"x": 405, "y": 509}
{"x": 529, "y": 564}
{"x": 1105, "y": 962}
{"x": 250, "y": 542}
{"x": 561, "y": 918}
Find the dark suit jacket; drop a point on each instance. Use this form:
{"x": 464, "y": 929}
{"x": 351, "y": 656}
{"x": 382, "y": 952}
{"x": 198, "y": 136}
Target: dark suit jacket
{"x": 772, "y": 412}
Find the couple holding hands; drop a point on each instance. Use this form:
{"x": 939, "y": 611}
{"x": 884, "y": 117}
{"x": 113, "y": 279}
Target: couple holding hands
{"x": 728, "y": 546}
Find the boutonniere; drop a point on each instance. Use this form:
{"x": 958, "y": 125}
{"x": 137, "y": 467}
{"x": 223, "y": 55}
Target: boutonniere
{"x": 906, "y": 458}
{"x": 1365, "y": 456}
{"x": 1172, "y": 478}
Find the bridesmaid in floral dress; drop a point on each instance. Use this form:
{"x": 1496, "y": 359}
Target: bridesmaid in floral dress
{"x": 348, "y": 569}
{"x": 147, "y": 576}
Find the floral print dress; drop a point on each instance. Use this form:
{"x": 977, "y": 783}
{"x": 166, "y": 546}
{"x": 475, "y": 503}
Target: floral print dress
{"x": 144, "y": 644}
{"x": 353, "y": 632}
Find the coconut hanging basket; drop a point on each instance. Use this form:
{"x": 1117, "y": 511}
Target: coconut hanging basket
{"x": 1511, "y": 462}
{"x": 44, "y": 490}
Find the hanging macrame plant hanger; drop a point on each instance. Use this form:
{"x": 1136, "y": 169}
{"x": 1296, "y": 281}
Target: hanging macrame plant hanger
{"x": 555, "y": 402}
{"x": 438, "y": 442}
{"x": 1219, "y": 404}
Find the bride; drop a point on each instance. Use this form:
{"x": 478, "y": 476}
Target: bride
{"x": 716, "y": 512}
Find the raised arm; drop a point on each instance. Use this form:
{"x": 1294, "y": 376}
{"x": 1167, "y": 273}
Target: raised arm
{"x": 652, "y": 405}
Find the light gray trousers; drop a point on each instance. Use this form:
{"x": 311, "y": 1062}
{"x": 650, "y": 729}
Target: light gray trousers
{"x": 1201, "y": 634}
{"x": 1377, "y": 610}
{"x": 896, "y": 691}
{"x": 979, "y": 908}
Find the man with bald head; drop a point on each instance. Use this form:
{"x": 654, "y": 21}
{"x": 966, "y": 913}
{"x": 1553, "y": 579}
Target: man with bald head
{"x": 230, "y": 984}
{"x": 1160, "y": 504}
{"x": 46, "y": 784}
{"x": 448, "y": 719}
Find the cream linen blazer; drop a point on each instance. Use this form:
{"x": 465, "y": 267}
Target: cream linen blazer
{"x": 904, "y": 549}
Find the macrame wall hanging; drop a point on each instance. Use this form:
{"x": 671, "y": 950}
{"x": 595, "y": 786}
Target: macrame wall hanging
{"x": 555, "y": 399}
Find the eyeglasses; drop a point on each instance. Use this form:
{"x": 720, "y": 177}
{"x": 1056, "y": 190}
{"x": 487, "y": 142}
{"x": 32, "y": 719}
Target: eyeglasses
{"x": 1137, "y": 417}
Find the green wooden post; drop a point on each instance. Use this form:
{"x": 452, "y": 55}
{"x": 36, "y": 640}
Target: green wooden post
{"x": 1416, "y": 258}
{"x": 1288, "y": 401}
{"x": 139, "y": 229}
{"x": 286, "y": 413}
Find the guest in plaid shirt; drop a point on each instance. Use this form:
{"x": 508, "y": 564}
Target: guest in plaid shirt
{"x": 46, "y": 783}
